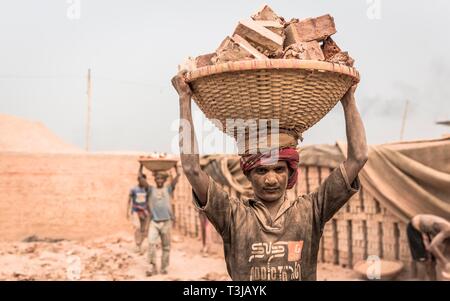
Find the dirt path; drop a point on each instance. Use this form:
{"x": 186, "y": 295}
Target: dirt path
{"x": 113, "y": 258}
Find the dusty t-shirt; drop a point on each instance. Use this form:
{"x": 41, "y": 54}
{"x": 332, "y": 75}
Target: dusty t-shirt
{"x": 159, "y": 203}
{"x": 259, "y": 248}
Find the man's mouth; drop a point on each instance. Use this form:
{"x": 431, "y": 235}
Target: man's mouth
{"x": 271, "y": 189}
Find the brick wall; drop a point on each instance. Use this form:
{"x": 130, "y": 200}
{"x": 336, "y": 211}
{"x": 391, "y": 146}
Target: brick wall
{"x": 363, "y": 227}
{"x": 72, "y": 196}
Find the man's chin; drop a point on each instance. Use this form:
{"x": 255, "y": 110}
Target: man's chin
{"x": 269, "y": 197}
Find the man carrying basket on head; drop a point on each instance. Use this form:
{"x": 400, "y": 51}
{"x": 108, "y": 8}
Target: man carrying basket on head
{"x": 160, "y": 204}
{"x": 269, "y": 237}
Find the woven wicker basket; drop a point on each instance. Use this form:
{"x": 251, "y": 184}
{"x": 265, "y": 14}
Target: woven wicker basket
{"x": 157, "y": 164}
{"x": 296, "y": 92}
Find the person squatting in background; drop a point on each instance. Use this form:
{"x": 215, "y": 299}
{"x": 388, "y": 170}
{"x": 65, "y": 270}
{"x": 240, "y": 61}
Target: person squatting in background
{"x": 429, "y": 243}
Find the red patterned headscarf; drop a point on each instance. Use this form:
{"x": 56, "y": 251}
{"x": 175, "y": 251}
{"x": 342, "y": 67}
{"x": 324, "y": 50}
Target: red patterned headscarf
{"x": 288, "y": 154}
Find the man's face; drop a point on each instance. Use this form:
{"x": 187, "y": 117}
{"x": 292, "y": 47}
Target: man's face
{"x": 270, "y": 181}
{"x": 142, "y": 181}
{"x": 160, "y": 180}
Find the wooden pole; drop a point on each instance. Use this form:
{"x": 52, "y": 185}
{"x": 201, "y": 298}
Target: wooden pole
{"x": 405, "y": 113}
{"x": 88, "y": 113}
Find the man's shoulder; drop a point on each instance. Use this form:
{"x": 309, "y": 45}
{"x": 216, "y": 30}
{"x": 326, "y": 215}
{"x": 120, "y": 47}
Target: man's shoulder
{"x": 303, "y": 199}
{"x": 246, "y": 200}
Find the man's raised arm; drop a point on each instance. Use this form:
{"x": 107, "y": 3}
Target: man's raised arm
{"x": 190, "y": 159}
{"x": 175, "y": 180}
{"x": 357, "y": 153}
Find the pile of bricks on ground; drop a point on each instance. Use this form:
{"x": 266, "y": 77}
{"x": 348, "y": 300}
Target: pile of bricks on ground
{"x": 268, "y": 36}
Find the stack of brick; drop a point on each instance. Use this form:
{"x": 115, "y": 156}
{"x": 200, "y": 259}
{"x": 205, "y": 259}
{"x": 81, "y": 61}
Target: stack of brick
{"x": 362, "y": 228}
{"x": 60, "y": 195}
{"x": 327, "y": 243}
{"x": 268, "y": 36}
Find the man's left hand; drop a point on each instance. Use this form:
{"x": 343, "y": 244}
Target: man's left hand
{"x": 349, "y": 96}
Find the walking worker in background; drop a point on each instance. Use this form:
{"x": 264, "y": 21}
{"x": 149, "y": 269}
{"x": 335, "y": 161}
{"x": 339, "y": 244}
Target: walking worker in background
{"x": 429, "y": 242}
{"x": 270, "y": 237}
{"x": 138, "y": 210}
{"x": 160, "y": 204}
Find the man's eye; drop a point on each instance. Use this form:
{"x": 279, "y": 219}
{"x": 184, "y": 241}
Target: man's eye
{"x": 261, "y": 171}
{"x": 279, "y": 169}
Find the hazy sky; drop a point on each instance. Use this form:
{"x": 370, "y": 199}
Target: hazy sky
{"x": 133, "y": 47}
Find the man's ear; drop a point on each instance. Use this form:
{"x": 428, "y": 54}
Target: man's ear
{"x": 290, "y": 172}
{"x": 247, "y": 175}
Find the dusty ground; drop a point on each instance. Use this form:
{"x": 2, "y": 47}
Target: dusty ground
{"x": 114, "y": 258}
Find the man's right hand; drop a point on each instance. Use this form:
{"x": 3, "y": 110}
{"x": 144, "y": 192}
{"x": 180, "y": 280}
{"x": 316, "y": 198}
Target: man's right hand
{"x": 179, "y": 83}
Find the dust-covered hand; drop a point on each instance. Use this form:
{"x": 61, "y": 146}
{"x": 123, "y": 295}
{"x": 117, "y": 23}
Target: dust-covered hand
{"x": 349, "y": 97}
{"x": 179, "y": 83}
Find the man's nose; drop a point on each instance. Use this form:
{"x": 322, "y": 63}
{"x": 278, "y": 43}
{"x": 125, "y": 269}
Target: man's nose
{"x": 271, "y": 179}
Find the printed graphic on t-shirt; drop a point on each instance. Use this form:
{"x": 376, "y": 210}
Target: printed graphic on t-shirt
{"x": 276, "y": 261}
{"x": 141, "y": 197}
{"x": 163, "y": 193}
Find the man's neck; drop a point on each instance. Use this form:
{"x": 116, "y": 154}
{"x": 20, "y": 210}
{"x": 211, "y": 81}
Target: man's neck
{"x": 274, "y": 206}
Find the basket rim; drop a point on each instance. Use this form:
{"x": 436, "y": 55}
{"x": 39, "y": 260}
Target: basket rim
{"x": 272, "y": 64}
{"x": 146, "y": 159}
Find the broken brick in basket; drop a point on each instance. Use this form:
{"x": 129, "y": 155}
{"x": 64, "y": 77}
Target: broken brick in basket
{"x": 269, "y": 68}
